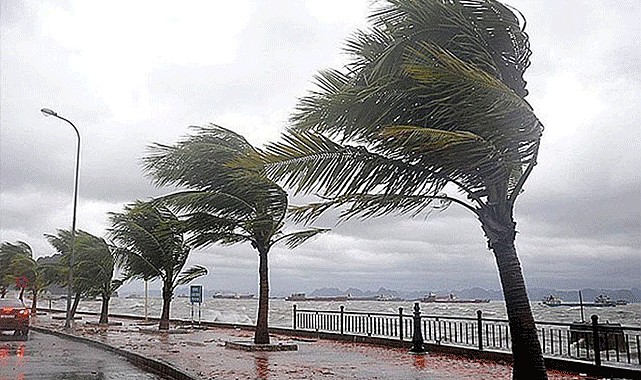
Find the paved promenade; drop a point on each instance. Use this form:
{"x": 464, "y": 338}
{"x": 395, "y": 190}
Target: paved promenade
{"x": 201, "y": 354}
{"x": 47, "y": 357}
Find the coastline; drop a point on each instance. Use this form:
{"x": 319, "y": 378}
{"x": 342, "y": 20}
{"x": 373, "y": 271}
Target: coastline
{"x": 200, "y": 353}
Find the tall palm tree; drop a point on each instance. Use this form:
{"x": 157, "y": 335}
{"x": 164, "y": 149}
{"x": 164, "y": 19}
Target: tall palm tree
{"x": 83, "y": 282}
{"x": 224, "y": 203}
{"x": 151, "y": 245}
{"x": 95, "y": 265}
{"x": 434, "y": 96}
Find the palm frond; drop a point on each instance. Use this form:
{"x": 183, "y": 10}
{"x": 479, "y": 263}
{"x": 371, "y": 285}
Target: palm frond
{"x": 115, "y": 285}
{"x": 375, "y": 205}
{"x": 314, "y": 163}
{"x": 483, "y": 33}
{"x": 199, "y": 161}
{"x": 232, "y": 198}
{"x": 151, "y": 241}
{"x": 191, "y": 274}
{"x": 294, "y": 239}
{"x": 229, "y": 204}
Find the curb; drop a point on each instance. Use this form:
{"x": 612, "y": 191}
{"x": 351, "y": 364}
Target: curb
{"x": 156, "y": 366}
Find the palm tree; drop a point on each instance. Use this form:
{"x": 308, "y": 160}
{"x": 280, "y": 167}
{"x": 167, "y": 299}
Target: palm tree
{"x": 151, "y": 245}
{"x": 83, "y": 283}
{"x": 434, "y": 96}
{"x": 62, "y": 243}
{"x": 7, "y": 252}
{"x": 17, "y": 261}
{"x": 95, "y": 265}
{"x": 224, "y": 203}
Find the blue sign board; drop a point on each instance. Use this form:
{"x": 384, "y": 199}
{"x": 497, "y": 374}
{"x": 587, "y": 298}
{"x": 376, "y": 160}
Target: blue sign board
{"x": 196, "y": 294}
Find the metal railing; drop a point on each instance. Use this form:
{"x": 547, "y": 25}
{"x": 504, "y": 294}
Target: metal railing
{"x": 589, "y": 341}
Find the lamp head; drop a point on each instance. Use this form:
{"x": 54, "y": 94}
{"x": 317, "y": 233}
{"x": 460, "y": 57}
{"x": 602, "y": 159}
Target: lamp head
{"x": 48, "y": 112}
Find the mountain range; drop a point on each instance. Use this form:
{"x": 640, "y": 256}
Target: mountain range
{"x": 535, "y": 294}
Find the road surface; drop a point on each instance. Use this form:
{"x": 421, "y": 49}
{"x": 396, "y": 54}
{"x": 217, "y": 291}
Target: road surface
{"x": 45, "y": 356}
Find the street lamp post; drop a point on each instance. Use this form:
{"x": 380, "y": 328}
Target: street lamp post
{"x": 48, "y": 112}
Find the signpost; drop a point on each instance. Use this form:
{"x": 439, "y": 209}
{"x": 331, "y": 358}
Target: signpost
{"x": 195, "y": 296}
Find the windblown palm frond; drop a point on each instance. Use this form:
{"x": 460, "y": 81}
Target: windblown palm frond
{"x": 311, "y": 162}
{"x": 484, "y": 33}
{"x": 199, "y": 161}
{"x": 191, "y": 274}
{"x": 364, "y": 205}
{"x": 61, "y": 242}
{"x": 203, "y": 163}
{"x": 150, "y": 239}
{"x": 294, "y": 239}
{"x": 428, "y": 71}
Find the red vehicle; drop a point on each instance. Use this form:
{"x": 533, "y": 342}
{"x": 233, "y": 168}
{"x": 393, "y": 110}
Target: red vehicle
{"x": 14, "y": 315}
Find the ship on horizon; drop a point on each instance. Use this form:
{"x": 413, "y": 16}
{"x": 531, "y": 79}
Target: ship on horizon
{"x": 303, "y": 297}
{"x": 450, "y": 298}
{"x": 233, "y": 296}
{"x": 599, "y": 301}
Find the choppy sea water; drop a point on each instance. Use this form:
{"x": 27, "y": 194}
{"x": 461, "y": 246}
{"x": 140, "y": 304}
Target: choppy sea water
{"x": 281, "y": 311}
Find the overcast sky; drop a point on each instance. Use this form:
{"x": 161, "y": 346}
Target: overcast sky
{"x": 129, "y": 73}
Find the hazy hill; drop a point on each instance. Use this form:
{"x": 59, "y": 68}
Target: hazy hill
{"x": 536, "y": 294}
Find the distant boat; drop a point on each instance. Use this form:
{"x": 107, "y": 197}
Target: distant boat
{"x": 388, "y": 298}
{"x": 602, "y": 300}
{"x": 349, "y": 297}
{"x": 599, "y": 301}
{"x": 303, "y": 297}
{"x": 233, "y": 296}
{"x": 552, "y": 300}
{"x": 450, "y": 298}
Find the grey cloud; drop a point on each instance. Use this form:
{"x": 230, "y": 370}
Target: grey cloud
{"x": 578, "y": 217}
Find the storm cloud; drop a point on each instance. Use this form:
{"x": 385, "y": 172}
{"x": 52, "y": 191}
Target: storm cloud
{"x": 128, "y": 79}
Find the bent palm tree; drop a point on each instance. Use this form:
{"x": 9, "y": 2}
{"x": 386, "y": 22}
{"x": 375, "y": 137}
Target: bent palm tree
{"x": 18, "y": 261}
{"x": 152, "y": 245}
{"x": 95, "y": 266}
{"x": 434, "y": 96}
{"x": 8, "y": 251}
{"x": 224, "y": 203}
{"x": 84, "y": 283}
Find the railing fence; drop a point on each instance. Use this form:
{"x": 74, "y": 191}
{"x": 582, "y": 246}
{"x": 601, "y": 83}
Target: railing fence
{"x": 589, "y": 341}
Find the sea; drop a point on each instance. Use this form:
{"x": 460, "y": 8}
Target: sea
{"x": 244, "y": 311}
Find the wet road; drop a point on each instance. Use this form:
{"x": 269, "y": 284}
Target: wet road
{"x": 45, "y": 356}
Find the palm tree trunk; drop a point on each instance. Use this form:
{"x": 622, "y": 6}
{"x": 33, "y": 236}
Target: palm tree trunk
{"x": 34, "y": 302}
{"x": 261, "y": 335}
{"x": 500, "y": 230}
{"x": 166, "y": 304}
{"x": 74, "y": 306}
{"x": 526, "y": 348}
{"x": 104, "y": 311}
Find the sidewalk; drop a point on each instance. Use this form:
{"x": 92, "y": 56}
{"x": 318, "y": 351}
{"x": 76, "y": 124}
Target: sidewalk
{"x": 201, "y": 353}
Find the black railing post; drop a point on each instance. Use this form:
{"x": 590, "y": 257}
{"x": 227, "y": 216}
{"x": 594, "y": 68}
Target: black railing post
{"x": 400, "y": 322}
{"x": 295, "y": 324}
{"x": 342, "y": 318}
{"x": 479, "y": 321}
{"x": 417, "y": 336}
{"x": 596, "y": 340}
